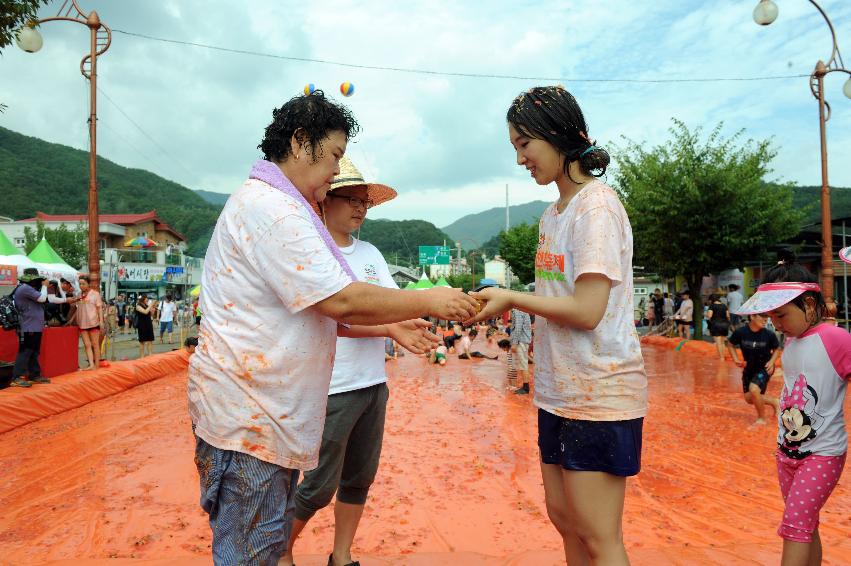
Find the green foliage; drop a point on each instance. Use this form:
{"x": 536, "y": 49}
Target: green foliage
{"x": 70, "y": 243}
{"x": 465, "y": 281}
{"x": 13, "y": 15}
{"x": 39, "y": 176}
{"x": 398, "y": 240}
{"x": 518, "y": 247}
{"x": 700, "y": 207}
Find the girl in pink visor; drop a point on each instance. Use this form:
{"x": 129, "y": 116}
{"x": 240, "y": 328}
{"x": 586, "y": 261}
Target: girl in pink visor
{"x": 812, "y": 442}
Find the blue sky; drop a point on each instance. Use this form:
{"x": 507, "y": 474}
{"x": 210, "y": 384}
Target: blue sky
{"x": 441, "y": 141}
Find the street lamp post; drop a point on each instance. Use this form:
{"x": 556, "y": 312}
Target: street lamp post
{"x": 100, "y": 38}
{"x": 764, "y": 14}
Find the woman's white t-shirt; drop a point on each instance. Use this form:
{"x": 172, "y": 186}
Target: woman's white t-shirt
{"x": 360, "y": 361}
{"x": 598, "y": 374}
{"x": 258, "y": 381}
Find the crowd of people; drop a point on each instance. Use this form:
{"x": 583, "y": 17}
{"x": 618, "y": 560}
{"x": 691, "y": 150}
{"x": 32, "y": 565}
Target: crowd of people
{"x": 42, "y": 303}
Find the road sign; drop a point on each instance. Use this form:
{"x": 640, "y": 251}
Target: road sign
{"x": 434, "y": 255}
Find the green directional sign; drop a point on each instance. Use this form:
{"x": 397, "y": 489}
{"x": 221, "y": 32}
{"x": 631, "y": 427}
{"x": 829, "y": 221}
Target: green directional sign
{"x": 435, "y": 255}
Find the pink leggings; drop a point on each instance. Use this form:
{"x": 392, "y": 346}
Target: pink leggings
{"x": 805, "y": 485}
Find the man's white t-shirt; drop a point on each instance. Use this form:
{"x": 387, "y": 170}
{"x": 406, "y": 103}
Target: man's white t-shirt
{"x": 360, "y": 361}
{"x": 734, "y": 301}
{"x": 167, "y": 311}
{"x": 258, "y": 381}
{"x": 595, "y": 375}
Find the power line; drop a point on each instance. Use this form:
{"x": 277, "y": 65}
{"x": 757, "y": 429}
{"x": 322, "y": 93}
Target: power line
{"x": 453, "y": 74}
{"x": 146, "y": 134}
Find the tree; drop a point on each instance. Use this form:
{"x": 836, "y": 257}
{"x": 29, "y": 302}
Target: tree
{"x": 14, "y": 15}
{"x": 70, "y": 243}
{"x": 698, "y": 207}
{"x": 518, "y": 247}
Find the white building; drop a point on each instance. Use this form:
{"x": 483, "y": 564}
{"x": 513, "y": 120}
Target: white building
{"x": 498, "y": 270}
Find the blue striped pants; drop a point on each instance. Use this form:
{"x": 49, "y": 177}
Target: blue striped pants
{"x": 250, "y": 503}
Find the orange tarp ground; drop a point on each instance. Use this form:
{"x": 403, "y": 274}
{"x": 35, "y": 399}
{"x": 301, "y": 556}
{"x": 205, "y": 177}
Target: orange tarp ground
{"x": 459, "y": 481}
{"x": 21, "y": 406}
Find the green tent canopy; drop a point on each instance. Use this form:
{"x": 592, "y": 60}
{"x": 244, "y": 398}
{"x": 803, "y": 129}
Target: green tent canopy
{"x": 442, "y": 282}
{"x": 7, "y": 247}
{"x": 423, "y": 283}
{"x": 410, "y": 285}
{"x": 44, "y": 253}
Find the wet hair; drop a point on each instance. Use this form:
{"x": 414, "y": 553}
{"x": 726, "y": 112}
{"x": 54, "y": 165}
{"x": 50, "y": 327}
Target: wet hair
{"x": 733, "y": 287}
{"x": 83, "y": 278}
{"x": 474, "y": 333}
{"x": 311, "y": 119}
{"x": 504, "y": 343}
{"x": 551, "y": 113}
{"x": 713, "y": 297}
{"x": 788, "y": 270}
{"x": 190, "y": 341}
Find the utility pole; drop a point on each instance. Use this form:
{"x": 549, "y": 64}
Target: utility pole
{"x": 507, "y": 225}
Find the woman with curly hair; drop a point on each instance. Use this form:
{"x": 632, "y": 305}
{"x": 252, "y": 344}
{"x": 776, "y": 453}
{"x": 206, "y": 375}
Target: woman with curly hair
{"x": 275, "y": 287}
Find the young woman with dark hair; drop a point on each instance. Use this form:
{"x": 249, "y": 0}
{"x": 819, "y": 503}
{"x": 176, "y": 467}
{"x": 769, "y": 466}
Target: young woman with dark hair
{"x": 591, "y": 386}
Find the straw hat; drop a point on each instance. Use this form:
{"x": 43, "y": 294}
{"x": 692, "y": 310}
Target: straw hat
{"x": 350, "y": 177}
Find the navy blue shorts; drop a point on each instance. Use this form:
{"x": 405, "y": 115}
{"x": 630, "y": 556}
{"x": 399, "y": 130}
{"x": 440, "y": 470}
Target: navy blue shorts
{"x": 613, "y": 447}
{"x": 760, "y": 378}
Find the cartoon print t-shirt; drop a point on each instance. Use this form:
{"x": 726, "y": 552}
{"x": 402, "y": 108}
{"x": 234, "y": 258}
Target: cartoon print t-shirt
{"x": 816, "y": 369}
{"x": 359, "y": 362}
{"x": 595, "y": 375}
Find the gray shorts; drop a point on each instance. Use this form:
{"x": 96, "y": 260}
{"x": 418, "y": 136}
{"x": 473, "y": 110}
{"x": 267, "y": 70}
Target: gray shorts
{"x": 351, "y": 448}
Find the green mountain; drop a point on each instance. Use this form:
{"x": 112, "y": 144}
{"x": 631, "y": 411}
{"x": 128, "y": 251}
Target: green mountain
{"x": 218, "y": 199}
{"x": 482, "y": 226}
{"x": 398, "y": 240}
{"x": 36, "y": 175}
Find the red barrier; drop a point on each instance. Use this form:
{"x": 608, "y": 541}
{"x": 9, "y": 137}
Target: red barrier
{"x": 59, "y": 349}
{"x": 20, "y": 406}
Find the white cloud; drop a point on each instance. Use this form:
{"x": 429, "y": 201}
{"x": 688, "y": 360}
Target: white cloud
{"x": 440, "y": 140}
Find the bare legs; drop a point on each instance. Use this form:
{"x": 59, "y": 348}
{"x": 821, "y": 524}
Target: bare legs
{"x": 758, "y": 400}
{"x": 91, "y": 344}
{"x": 586, "y": 508}
{"x": 802, "y": 553}
{"x": 346, "y": 520}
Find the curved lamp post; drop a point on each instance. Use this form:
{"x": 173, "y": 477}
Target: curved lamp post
{"x": 30, "y": 41}
{"x": 764, "y": 14}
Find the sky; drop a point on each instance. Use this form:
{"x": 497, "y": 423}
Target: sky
{"x": 195, "y": 115}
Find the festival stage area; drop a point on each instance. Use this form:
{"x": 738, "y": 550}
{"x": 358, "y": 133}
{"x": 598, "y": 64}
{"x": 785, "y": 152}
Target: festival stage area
{"x": 113, "y": 482}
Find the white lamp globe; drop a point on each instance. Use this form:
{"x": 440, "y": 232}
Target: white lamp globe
{"x": 29, "y": 39}
{"x": 765, "y": 12}
{"x": 846, "y": 88}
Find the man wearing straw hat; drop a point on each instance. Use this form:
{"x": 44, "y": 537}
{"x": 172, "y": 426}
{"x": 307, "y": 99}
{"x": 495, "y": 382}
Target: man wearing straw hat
{"x": 357, "y": 400}
{"x": 30, "y": 305}
{"x": 277, "y": 292}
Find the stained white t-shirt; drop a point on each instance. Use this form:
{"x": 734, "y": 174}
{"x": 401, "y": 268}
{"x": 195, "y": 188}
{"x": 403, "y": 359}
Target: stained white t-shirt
{"x": 816, "y": 370}
{"x": 598, "y": 374}
{"x": 360, "y": 361}
{"x": 167, "y": 311}
{"x": 258, "y": 381}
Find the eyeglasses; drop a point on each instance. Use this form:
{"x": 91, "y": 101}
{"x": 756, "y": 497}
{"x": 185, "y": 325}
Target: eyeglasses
{"x": 355, "y": 202}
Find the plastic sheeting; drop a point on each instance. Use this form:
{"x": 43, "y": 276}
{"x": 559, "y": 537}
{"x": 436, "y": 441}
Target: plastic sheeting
{"x": 459, "y": 481}
{"x": 20, "y": 406}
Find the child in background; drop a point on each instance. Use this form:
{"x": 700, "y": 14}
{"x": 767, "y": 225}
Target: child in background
{"x": 438, "y": 355}
{"x": 190, "y": 344}
{"x": 590, "y": 382}
{"x": 760, "y": 350}
{"x": 812, "y": 441}
{"x": 511, "y": 371}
